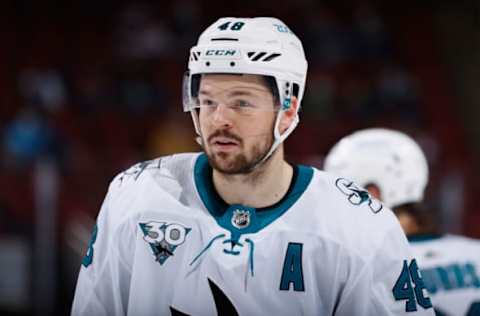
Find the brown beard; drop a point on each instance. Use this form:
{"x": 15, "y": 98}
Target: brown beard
{"x": 238, "y": 164}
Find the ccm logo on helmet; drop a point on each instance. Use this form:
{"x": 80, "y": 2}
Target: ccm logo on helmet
{"x": 221, "y": 52}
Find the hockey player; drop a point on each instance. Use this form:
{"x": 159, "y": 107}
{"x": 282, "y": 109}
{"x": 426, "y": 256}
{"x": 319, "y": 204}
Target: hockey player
{"x": 236, "y": 230}
{"x": 394, "y": 169}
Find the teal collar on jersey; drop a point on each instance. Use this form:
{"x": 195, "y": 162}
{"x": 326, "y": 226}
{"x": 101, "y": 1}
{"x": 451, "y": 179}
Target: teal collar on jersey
{"x": 234, "y": 217}
{"x": 423, "y": 237}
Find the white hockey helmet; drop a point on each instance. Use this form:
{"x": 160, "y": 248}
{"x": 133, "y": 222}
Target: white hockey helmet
{"x": 389, "y": 159}
{"x": 259, "y": 46}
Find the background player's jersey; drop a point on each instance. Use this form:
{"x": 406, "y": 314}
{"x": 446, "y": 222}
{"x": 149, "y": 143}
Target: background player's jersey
{"x": 451, "y": 271}
{"x": 165, "y": 243}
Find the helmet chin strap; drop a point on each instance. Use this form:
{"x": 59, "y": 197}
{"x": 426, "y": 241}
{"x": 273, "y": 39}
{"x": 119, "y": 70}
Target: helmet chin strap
{"x": 279, "y": 138}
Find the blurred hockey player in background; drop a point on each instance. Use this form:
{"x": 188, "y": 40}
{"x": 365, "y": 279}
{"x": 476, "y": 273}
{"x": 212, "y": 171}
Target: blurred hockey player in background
{"x": 393, "y": 168}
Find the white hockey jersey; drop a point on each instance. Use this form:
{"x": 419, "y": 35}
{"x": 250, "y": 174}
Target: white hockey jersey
{"x": 451, "y": 271}
{"x": 165, "y": 243}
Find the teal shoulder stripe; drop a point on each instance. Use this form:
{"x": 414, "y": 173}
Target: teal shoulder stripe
{"x": 423, "y": 237}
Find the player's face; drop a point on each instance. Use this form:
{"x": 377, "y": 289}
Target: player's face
{"x": 237, "y": 115}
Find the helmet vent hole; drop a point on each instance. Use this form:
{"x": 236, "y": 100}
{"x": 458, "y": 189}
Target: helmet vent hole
{"x": 232, "y": 63}
{"x": 224, "y": 39}
{"x": 207, "y": 63}
{"x": 296, "y": 89}
{"x": 271, "y": 56}
{"x": 258, "y": 56}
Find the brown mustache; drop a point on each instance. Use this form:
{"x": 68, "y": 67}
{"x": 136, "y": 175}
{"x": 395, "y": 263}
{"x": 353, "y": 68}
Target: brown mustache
{"x": 224, "y": 133}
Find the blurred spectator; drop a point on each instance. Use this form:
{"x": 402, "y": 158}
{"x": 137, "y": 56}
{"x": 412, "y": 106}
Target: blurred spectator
{"x": 397, "y": 92}
{"x": 43, "y": 88}
{"x": 140, "y": 36}
{"x": 94, "y": 88}
{"x": 187, "y": 21}
{"x": 355, "y": 98}
{"x": 139, "y": 95}
{"x": 318, "y": 103}
{"x": 8, "y": 222}
{"x": 26, "y": 138}
{"x": 15, "y": 257}
{"x": 451, "y": 204}
{"x": 372, "y": 41}
{"x": 327, "y": 38}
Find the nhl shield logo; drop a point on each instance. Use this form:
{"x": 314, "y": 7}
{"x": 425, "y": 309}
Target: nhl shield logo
{"x": 163, "y": 238}
{"x": 241, "y": 218}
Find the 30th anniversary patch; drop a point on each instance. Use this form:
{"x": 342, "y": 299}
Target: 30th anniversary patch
{"x": 164, "y": 238}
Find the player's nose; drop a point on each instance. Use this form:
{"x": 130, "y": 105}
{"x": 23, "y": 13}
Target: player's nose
{"x": 221, "y": 116}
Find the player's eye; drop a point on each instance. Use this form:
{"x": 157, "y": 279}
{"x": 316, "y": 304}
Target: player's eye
{"x": 243, "y": 104}
{"x": 207, "y": 102}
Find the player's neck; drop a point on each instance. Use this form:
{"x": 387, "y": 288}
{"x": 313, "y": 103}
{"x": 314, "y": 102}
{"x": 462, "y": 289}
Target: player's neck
{"x": 264, "y": 186}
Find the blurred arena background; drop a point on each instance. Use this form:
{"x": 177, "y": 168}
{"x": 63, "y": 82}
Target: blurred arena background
{"x": 91, "y": 87}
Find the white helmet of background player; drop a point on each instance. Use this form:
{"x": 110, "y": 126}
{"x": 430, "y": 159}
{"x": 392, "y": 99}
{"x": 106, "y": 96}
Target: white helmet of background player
{"x": 259, "y": 46}
{"x": 388, "y": 159}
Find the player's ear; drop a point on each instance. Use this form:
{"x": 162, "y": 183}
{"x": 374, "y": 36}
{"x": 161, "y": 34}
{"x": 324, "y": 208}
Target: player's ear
{"x": 374, "y": 190}
{"x": 289, "y": 115}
